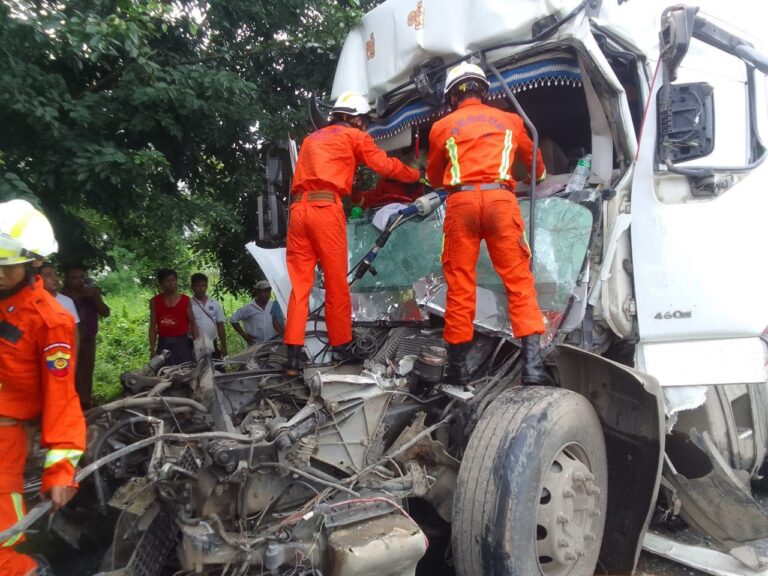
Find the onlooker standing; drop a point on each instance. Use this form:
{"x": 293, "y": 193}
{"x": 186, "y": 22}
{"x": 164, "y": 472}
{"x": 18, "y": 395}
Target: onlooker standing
{"x": 209, "y": 315}
{"x": 171, "y": 320}
{"x": 90, "y": 306}
{"x": 52, "y": 284}
{"x": 263, "y": 317}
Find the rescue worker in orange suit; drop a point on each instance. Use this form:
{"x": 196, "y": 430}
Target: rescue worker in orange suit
{"x": 317, "y": 225}
{"x": 471, "y": 153}
{"x": 37, "y": 378}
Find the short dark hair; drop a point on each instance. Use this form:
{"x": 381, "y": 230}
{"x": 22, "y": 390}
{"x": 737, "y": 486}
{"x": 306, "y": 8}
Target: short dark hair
{"x": 77, "y": 266}
{"x": 163, "y": 273}
{"x": 46, "y": 264}
{"x": 198, "y": 277}
{"x": 472, "y": 89}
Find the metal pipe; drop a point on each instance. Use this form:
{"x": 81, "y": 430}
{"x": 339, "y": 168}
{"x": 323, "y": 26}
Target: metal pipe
{"x": 310, "y": 477}
{"x": 535, "y": 134}
{"x": 143, "y": 402}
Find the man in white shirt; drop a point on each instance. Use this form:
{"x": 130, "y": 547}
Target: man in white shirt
{"x": 52, "y": 283}
{"x": 209, "y": 315}
{"x": 262, "y": 317}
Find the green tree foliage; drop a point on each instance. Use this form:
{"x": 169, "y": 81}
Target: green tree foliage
{"x": 140, "y": 125}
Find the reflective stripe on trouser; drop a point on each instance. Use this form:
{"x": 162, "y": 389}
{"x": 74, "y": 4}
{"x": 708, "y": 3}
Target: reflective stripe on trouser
{"x": 318, "y": 232}
{"x": 11, "y": 562}
{"x": 493, "y": 216}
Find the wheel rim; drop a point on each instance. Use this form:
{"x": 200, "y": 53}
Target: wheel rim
{"x": 568, "y": 512}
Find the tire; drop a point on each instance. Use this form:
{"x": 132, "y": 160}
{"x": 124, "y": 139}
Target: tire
{"x": 531, "y": 494}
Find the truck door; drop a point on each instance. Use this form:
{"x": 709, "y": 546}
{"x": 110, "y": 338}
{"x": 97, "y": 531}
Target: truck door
{"x": 698, "y": 209}
{"x": 699, "y": 195}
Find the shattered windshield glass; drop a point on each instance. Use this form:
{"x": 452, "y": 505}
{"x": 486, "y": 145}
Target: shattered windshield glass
{"x": 409, "y": 282}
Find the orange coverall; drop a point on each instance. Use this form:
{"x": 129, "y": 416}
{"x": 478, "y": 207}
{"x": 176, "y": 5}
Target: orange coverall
{"x": 477, "y": 144}
{"x": 317, "y": 228}
{"x": 37, "y": 377}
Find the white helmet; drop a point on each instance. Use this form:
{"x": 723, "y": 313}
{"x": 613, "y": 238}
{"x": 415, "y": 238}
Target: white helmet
{"x": 352, "y": 103}
{"x": 464, "y": 71}
{"x": 25, "y": 233}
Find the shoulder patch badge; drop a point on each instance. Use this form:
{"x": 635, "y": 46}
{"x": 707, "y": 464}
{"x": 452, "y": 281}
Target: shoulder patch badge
{"x": 57, "y": 358}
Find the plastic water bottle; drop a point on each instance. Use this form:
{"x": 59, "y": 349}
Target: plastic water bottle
{"x": 580, "y": 175}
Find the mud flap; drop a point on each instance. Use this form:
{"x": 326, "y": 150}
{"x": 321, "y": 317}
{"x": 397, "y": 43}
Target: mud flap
{"x": 718, "y": 504}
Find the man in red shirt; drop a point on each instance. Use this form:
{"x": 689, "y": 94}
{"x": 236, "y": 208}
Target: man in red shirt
{"x": 317, "y": 227}
{"x": 471, "y": 153}
{"x": 172, "y": 323}
{"x": 37, "y": 376}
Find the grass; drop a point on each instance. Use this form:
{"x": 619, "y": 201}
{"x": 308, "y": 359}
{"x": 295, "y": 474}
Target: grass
{"x": 123, "y": 340}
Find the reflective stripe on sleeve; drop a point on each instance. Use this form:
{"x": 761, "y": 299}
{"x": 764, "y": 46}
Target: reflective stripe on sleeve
{"x": 18, "y": 508}
{"x": 56, "y": 456}
{"x": 505, "y": 156}
{"x": 453, "y": 153}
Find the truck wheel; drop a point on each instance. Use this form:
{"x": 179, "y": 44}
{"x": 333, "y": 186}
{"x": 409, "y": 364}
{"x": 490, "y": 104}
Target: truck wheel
{"x": 530, "y": 498}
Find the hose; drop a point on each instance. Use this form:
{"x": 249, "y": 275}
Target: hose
{"x": 94, "y": 413}
{"x": 100, "y": 496}
{"x": 535, "y": 137}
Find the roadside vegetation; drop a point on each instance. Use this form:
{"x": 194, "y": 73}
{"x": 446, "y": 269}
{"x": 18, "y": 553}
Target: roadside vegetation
{"x": 141, "y": 127}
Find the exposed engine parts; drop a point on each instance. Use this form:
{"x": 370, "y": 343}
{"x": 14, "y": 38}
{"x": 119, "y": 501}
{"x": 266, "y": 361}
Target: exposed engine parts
{"x": 277, "y": 475}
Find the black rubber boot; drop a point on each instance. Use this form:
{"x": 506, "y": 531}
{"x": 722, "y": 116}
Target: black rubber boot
{"x": 342, "y": 354}
{"x": 457, "y": 374}
{"x": 534, "y": 373}
{"x": 293, "y": 364}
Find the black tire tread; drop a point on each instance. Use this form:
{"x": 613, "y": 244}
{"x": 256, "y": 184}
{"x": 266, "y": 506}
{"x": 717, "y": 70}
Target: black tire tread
{"x": 477, "y": 494}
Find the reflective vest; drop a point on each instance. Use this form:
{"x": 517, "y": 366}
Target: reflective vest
{"x": 477, "y": 144}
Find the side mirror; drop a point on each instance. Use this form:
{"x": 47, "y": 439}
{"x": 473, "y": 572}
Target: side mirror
{"x": 686, "y": 122}
{"x": 675, "y": 36}
{"x": 272, "y": 204}
{"x": 319, "y": 112}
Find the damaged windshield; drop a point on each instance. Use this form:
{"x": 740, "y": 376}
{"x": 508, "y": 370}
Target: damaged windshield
{"x": 409, "y": 281}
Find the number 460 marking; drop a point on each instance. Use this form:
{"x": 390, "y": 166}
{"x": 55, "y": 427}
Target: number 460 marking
{"x": 673, "y": 315}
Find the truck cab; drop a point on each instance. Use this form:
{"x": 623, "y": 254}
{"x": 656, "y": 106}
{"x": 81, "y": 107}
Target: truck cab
{"x": 649, "y": 277}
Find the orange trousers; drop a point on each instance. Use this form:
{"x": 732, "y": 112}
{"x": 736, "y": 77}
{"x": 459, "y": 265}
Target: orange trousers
{"x": 13, "y": 447}
{"x": 317, "y": 232}
{"x": 493, "y": 216}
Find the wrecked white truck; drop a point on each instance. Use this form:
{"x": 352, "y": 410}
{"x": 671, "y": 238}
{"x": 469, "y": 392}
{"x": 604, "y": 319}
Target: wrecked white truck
{"x": 655, "y": 309}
